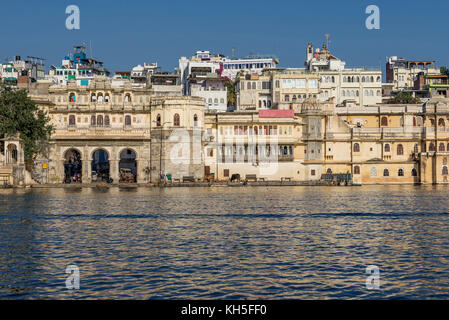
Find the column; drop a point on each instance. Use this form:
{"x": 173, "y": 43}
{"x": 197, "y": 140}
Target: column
{"x": 114, "y": 170}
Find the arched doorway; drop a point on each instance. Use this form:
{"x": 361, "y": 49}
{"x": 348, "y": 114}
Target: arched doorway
{"x": 73, "y": 166}
{"x": 100, "y": 166}
{"x": 12, "y": 154}
{"x": 127, "y": 166}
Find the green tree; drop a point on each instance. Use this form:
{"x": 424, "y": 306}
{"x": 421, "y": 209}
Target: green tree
{"x": 19, "y": 114}
{"x": 230, "y": 85}
{"x": 404, "y": 98}
{"x": 445, "y": 71}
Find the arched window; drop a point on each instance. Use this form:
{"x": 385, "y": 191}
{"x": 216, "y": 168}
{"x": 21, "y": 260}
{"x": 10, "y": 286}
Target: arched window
{"x": 158, "y": 120}
{"x": 100, "y": 98}
{"x": 72, "y": 97}
{"x": 100, "y": 121}
{"x": 356, "y": 170}
{"x": 414, "y": 172}
{"x": 127, "y": 120}
{"x": 343, "y": 93}
{"x": 387, "y": 148}
{"x": 372, "y": 79}
{"x": 356, "y": 147}
{"x": 386, "y": 173}
{"x": 287, "y": 98}
{"x": 107, "y": 122}
{"x": 93, "y": 98}
{"x": 441, "y": 147}
{"x": 127, "y": 97}
{"x": 414, "y": 121}
{"x": 248, "y": 86}
{"x": 333, "y": 79}
{"x": 106, "y": 98}
{"x": 216, "y": 101}
{"x": 445, "y": 171}
{"x": 93, "y": 120}
{"x": 400, "y": 150}
{"x": 294, "y": 98}
{"x": 400, "y": 172}
{"x": 329, "y": 171}
{"x": 195, "y": 120}
{"x": 384, "y": 122}
{"x": 72, "y": 120}
{"x": 431, "y": 147}
{"x": 176, "y": 120}
{"x": 441, "y": 122}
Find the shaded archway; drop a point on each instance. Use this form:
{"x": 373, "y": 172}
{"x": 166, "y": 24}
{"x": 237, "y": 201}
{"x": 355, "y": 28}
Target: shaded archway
{"x": 128, "y": 166}
{"x": 73, "y": 166}
{"x": 100, "y": 166}
{"x": 12, "y": 155}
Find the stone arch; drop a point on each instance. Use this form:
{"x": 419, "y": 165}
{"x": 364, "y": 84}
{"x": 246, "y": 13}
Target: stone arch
{"x": 100, "y": 164}
{"x": 128, "y": 159}
{"x": 73, "y": 165}
{"x": 12, "y": 153}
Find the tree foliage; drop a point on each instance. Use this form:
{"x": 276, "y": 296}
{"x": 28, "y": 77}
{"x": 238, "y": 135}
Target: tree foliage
{"x": 445, "y": 71}
{"x": 19, "y": 114}
{"x": 405, "y": 98}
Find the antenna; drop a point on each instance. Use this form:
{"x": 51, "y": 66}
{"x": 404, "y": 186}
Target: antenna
{"x": 327, "y": 35}
{"x": 233, "y": 53}
{"x": 91, "y": 56}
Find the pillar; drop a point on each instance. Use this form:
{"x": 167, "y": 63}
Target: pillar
{"x": 114, "y": 170}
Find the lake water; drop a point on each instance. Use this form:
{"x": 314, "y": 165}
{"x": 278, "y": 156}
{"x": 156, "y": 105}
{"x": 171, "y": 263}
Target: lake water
{"x": 225, "y": 243}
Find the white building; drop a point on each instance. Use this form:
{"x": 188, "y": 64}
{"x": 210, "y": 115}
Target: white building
{"x": 350, "y": 86}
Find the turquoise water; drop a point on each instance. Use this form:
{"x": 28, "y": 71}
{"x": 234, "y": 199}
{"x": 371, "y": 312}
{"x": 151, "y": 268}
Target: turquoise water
{"x": 225, "y": 243}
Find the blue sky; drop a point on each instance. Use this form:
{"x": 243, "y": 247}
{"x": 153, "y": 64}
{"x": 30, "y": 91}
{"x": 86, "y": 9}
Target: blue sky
{"x": 126, "y": 33}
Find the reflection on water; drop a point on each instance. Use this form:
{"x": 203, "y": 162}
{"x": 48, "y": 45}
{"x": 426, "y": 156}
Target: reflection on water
{"x": 225, "y": 243}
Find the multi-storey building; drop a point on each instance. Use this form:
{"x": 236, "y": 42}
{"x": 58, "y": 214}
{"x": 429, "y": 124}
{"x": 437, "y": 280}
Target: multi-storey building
{"x": 350, "y": 86}
{"x": 403, "y": 73}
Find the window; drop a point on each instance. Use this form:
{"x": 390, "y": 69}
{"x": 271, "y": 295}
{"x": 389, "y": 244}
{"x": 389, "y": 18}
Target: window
{"x": 287, "y": 98}
{"x": 100, "y": 120}
{"x": 414, "y": 172}
{"x": 441, "y": 122}
{"x": 445, "y": 171}
{"x": 441, "y": 147}
{"x": 400, "y": 172}
{"x": 158, "y": 120}
{"x": 356, "y": 147}
{"x": 431, "y": 147}
{"x": 312, "y": 172}
{"x": 356, "y": 170}
{"x": 387, "y": 148}
{"x": 93, "y": 98}
{"x": 176, "y": 120}
{"x": 107, "y": 122}
{"x": 226, "y": 173}
{"x": 400, "y": 150}
{"x": 386, "y": 173}
{"x": 127, "y": 120}
{"x": 248, "y": 86}
{"x": 127, "y": 98}
{"x": 72, "y": 97}
{"x": 329, "y": 171}
{"x": 373, "y": 172}
{"x": 195, "y": 120}
{"x": 415, "y": 148}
